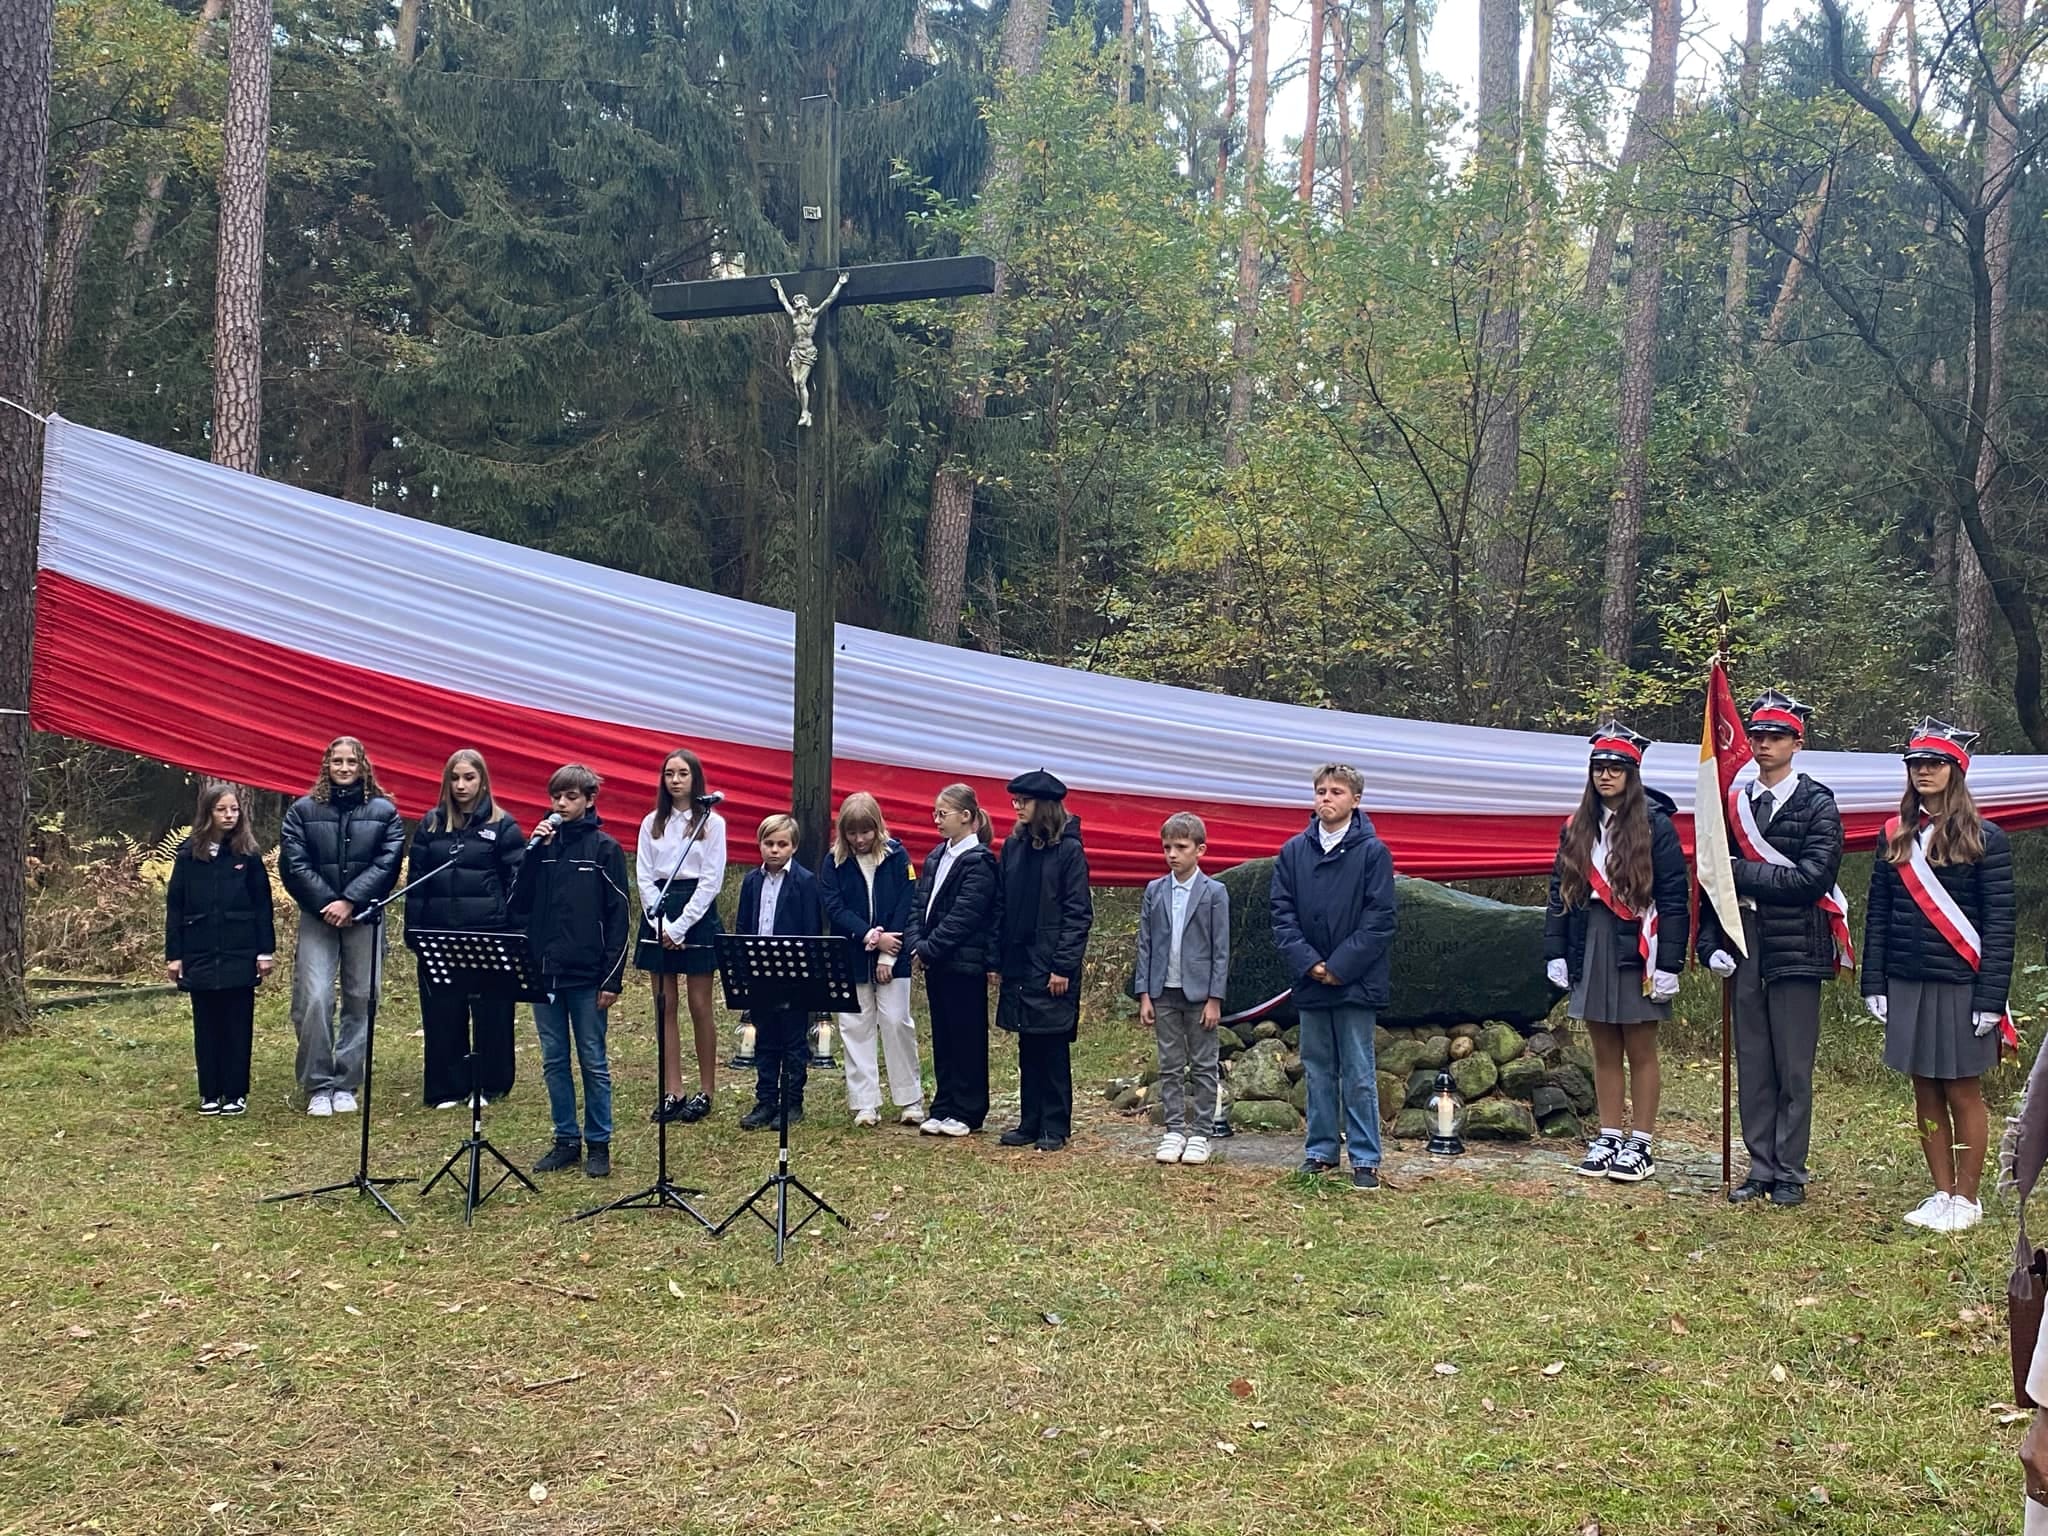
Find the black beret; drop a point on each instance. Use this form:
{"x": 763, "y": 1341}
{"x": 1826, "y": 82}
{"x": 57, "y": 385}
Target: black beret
{"x": 1038, "y": 785}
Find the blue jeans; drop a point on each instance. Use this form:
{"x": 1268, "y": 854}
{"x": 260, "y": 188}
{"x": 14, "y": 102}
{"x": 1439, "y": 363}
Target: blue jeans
{"x": 1337, "y": 1058}
{"x": 575, "y": 1011}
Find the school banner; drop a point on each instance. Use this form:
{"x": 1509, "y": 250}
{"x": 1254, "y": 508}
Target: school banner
{"x": 232, "y": 625}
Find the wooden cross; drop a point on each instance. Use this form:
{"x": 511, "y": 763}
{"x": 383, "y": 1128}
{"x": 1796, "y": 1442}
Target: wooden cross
{"x": 889, "y": 282}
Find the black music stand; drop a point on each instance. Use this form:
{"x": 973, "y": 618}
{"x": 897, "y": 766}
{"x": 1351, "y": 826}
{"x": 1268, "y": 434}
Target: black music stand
{"x": 453, "y": 956}
{"x": 810, "y": 972}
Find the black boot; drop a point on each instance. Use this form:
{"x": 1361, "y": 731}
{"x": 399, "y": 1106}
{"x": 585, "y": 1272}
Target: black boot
{"x": 563, "y": 1154}
{"x": 760, "y": 1117}
{"x": 597, "y": 1160}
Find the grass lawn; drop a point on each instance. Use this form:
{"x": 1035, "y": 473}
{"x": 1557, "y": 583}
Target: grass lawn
{"x": 1080, "y": 1343}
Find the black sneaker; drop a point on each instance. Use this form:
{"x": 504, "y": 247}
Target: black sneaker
{"x": 1633, "y": 1163}
{"x": 694, "y": 1108}
{"x": 234, "y": 1106}
{"x": 668, "y": 1111}
{"x": 209, "y": 1106}
{"x": 563, "y": 1154}
{"x": 1748, "y": 1190}
{"x": 1600, "y": 1156}
{"x": 597, "y": 1160}
{"x": 1315, "y": 1167}
{"x": 796, "y": 1114}
{"x": 1017, "y": 1136}
{"x": 1051, "y": 1143}
{"x": 758, "y": 1118}
{"x": 1788, "y": 1194}
{"x": 1365, "y": 1178}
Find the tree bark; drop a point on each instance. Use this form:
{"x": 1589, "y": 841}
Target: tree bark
{"x": 1375, "y": 91}
{"x": 951, "y": 521}
{"x": 1536, "y": 98}
{"x": 1495, "y": 395}
{"x": 1638, "y": 368}
{"x": 1244, "y": 332}
{"x": 24, "y": 157}
{"x": 1311, "y": 131}
{"x": 238, "y": 280}
{"x": 406, "y": 34}
{"x": 1340, "y": 86}
{"x": 74, "y": 229}
{"x": 1735, "y": 297}
{"x": 1411, "y": 49}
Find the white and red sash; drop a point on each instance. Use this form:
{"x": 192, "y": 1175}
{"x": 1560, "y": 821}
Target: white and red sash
{"x": 1759, "y": 850}
{"x": 1940, "y": 909}
{"x": 1603, "y": 888}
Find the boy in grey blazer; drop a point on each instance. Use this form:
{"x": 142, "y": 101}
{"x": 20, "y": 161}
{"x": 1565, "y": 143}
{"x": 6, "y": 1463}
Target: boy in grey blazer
{"x": 1182, "y": 972}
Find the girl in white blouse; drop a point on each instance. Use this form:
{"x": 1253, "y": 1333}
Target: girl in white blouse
{"x": 681, "y": 869}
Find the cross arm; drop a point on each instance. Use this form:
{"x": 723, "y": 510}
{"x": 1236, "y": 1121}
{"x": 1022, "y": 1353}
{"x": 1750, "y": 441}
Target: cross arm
{"x": 885, "y": 282}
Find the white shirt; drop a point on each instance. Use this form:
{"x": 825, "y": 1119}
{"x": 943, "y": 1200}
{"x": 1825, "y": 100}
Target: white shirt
{"x": 946, "y": 862}
{"x": 1332, "y": 837}
{"x": 1179, "y": 896}
{"x": 1779, "y": 792}
{"x": 771, "y": 892}
{"x": 657, "y": 859}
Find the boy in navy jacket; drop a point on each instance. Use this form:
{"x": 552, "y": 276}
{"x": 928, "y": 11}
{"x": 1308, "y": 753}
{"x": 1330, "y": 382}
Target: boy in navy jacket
{"x": 1333, "y": 921}
{"x": 781, "y": 896}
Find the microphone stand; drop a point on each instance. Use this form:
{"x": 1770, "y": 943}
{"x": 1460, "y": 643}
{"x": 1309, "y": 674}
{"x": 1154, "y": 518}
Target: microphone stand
{"x": 663, "y": 1194}
{"x": 372, "y": 915}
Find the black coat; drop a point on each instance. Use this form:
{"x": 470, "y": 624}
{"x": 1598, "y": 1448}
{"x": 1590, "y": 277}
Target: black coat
{"x": 217, "y": 919}
{"x": 1337, "y": 910}
{"x": 798, "y": 906}
{"x": 1793, "y": 937}
{"x": 1057, "y": 939}
{"x": 340, "y": 849}
{"x": 571, "y": 901}
{"x": 474, "y": 892}
{"x": 844, "y": 890}
{"x": 960, "y": 930}
{"x": 1564, "y": 932}
{"x": 1899, "y": 941}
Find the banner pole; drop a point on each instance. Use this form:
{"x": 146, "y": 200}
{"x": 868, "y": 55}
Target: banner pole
{"x": 1721, "y": 619}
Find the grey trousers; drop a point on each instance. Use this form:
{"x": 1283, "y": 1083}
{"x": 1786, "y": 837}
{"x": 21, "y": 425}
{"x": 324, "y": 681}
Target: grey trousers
{"x": 331, "y": 1059}
{"x": 1187, "y": 1063}
{"x": 1777, "y": 1029}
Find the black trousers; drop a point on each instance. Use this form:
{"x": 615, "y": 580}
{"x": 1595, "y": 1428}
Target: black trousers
{"x": 223, "y": 1028}
{"x": 782, "y": 1055}
{"x": 452, "y": 1019}
{"x": 1045, "y": 1085}
{"x": 959, "y": 1005}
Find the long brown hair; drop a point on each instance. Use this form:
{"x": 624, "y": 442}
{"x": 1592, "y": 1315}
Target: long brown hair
{"x": 664, "y": 802}
{"x": 1958, "y": 835}
{"x": 1628, "y": 845}
{"x": 1048, "y": 820}
{"x": 961, "y": 797}
{"x": 858, "y": 812}
{"x": 241, "y": 840}
{"x": 475, "y": 759}
{"x": 323, "y": 786}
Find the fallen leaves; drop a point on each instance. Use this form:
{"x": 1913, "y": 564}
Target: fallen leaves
{"x": 1555, "y": 1368}
{"x": 1240, "y": 1388}
{"x": 1445, "y": 1368}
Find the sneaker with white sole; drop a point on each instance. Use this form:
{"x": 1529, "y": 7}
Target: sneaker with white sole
{"x": 951, "y": 1127}
{"x": 867, "y": 1117}
{"x": 913, "y": 1114}
{"x": 1960, "y": 1216}
{"x": 1600, "y": 1156}
{"x": 1633, "y": 1163}
{"x": 234, "y": 1106}
{"x": 451, "y": 1104}
{"x": 1196, "y": 1151}
{"x": 320, "y": 1106}
{"x": 929, "y": 1126}
{"x": 344, "y": 1102}
{"x": 1171, "y": 1147}
{"x": 209, "y": 1106}
{"x": 1929, "y": 1212}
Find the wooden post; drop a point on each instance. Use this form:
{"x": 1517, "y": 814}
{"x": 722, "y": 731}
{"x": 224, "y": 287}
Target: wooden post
{"x": 816, "y": 603}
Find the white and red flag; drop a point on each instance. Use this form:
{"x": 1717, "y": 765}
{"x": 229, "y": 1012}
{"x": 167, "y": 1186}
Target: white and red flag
{"x": 1724, "y": 752}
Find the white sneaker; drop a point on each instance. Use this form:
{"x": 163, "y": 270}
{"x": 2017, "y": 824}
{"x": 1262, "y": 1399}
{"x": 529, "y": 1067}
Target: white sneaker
{"x": 931, "y": 1126}
{"x": 320, "y": 1106}
{"x": 1197, "y": 1150}
{"x": 1171, "y": 1145}
{"x": 1929, "y": 1212}
{"x": 344, "y": 1102}
{"x": 914, "y": 1115}
{"x": 1960, "y": 1216}
{"x": 449, "y": 1104}
{"x": 868, "y": 1117}
{"x": 954, "y": 1128}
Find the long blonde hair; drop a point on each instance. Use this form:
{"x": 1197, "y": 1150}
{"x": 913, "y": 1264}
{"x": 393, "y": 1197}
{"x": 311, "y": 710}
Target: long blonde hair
{"x": 475, "y": 759}
{"x": 858, "y": 812}
{"x": 1958, "y": 835}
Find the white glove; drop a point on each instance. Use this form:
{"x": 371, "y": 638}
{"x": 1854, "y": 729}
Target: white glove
{"x": 1985, "y": 1022}
{"x": 1879, "y": 1006}
{"x": 1560, "y": 975}
{"x": 1721, "y": 963}
{"x": 1663, "y": 986}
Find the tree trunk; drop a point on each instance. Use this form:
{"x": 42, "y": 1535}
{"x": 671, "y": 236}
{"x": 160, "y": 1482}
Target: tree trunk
{"x": 951, "y": 520}
{"x": 1536, "y": 98}
{"x": 1735, "y": 298}
{"x": 238, "y": 282}
{"x": 1638, "y": 368}
{"x": 74, "y": 229}
{"x": 1311, "y": 131}
{"x": 406, "y": 34}
{"x": 24, "y": 155}
{"x": 1496, "y": 405}
{"x": 1340, "y": 85}
{"x": 1245, "y": 330}
{"x": 1375, "y": 91}
{"x": 1411, "y": 49}
{"x": 2001, "y": 155}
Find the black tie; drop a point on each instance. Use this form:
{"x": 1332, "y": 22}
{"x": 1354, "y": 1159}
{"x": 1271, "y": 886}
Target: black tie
{"x": 1763, "y": 805}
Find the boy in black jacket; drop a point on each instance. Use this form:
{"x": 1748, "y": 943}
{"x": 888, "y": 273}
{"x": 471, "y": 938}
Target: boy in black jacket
{"x": 779, "y": 897}
{"x": 571, "y": 900}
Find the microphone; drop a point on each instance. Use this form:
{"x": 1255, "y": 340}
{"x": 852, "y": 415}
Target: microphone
{"x": 552, "y": 820}
{"x": 707, "y": 801}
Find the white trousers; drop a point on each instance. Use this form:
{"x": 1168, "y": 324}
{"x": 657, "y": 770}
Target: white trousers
{"x": 884, "y": 1011}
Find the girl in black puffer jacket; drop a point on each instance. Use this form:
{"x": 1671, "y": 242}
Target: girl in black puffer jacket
{"x": 219, "y": 937}
{"x": 1938, "y": 937}
{"x": 481, "y": 850}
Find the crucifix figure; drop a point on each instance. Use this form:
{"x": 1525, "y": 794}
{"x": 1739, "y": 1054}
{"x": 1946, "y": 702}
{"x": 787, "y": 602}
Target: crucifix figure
{"x": 803, "y": 346}
{"x": 811, "y": 298}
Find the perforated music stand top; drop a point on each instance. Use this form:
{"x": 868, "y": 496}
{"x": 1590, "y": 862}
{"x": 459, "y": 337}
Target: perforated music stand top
{"x": 455, "y": 956}
{"x": 811, "y": 971}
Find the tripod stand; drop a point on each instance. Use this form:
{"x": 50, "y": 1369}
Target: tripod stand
{"x": 450, "y": 957}
{"x": 806, "y": 973}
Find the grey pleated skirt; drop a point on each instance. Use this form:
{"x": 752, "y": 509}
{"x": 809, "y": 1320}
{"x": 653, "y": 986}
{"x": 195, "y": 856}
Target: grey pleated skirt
{"x": 1604, "y": 992}
{"x": 1927, "y": 1031}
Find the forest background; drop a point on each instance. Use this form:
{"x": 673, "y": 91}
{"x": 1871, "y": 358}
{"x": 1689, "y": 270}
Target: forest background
{"x": 1393, "y": 407}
